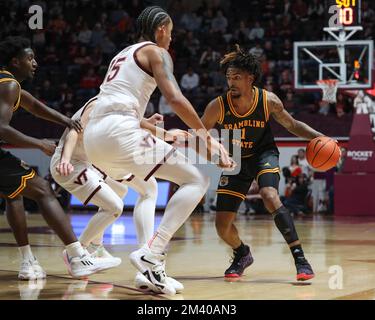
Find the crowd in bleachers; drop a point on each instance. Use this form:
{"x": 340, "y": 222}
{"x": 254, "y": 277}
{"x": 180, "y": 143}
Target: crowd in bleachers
{"x": 80, "y": 37}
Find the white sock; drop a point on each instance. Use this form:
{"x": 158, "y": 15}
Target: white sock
{"x": 193, "y": 186}
{"x": 75, "y": 249}
{"x": 159, "y": 241}
{"x": 111, "y": 207}
{"x": 26, "y": 253}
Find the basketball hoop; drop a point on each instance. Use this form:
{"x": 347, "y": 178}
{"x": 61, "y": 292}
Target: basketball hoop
{"x": 329, "y": 88}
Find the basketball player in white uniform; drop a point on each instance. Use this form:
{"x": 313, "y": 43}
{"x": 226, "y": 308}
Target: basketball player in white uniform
{"x": 115, "y": 142}
{"x": 70, "y": 169}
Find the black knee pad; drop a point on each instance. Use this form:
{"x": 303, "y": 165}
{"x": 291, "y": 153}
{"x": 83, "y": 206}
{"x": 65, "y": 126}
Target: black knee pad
{"x": 285, "y": 224}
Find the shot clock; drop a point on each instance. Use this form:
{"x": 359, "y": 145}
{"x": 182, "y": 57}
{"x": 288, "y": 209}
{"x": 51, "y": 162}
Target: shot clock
{"x": 344, "y": 13}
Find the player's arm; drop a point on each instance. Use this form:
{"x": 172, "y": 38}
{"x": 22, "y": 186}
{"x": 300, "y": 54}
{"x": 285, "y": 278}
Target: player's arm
{"x": 298, "y": 128}
{"x": 40, "y": 110}
{"x": 211, "y": 114}
{"x": 8, "y": 93}
{"x": 170, "y": 135}
{"x": 64, "y": 167}
{"x": 162, "y": 69}
{"x": 209, "y": 119}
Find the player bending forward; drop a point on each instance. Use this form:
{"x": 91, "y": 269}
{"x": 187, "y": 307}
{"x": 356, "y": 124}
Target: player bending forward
{"x": 71, "y": 169}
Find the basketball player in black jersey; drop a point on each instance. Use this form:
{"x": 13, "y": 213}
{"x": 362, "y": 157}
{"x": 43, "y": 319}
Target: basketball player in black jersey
{"x": 248, "y": 108}
{"x": 17, "y": 179}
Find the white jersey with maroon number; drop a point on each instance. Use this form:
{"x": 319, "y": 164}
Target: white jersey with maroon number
{"x": 127, "y": 87}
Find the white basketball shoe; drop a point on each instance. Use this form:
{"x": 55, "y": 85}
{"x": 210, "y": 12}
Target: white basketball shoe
{"x": 85, "y": 265}
{"x": 26, "y": 271}
{"x": 151, "y": 265}
{"x": 101, "y": 253}
{"x": 142, "y": 283}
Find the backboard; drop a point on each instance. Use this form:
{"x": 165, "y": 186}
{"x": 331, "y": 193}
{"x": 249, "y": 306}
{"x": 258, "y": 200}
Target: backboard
{"x": 349, "y": 62}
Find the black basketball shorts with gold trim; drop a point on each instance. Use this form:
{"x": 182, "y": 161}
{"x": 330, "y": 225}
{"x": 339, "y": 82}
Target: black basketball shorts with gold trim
{"x": 232, "y": 189}
{"x": 14, "y": 174}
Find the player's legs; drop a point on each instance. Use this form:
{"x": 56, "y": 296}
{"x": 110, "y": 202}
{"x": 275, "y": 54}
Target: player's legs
{"x": 111, "y": 206}
{"x": 40, "y": 191}
{"x": 144, "y": 217}
{"x": 29, "y": 267}
{"x": 144, "y": 210}
{"x": 230, "y": 194}
{"x": 193, "y": 185}
{"x": 268, "y": 183}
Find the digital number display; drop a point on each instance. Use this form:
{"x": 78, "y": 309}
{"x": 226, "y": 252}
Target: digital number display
{"x": 344, "y": 13}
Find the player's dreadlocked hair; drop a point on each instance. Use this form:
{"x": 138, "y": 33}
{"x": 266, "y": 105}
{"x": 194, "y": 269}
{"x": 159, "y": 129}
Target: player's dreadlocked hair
{"x": 243, "y": 61}
{"x": 10, "y": 48}
{"x": 149, "y": 19}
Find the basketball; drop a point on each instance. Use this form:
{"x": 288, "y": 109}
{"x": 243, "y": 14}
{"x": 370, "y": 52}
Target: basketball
{"x": 322, "y": 153}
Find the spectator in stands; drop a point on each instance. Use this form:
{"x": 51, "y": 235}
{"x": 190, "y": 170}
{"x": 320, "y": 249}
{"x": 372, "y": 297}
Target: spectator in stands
{"x": 257, "y": 50}
{"x": 341, "y": 162}
{"x": 209, "y": 59}
{"x": 302, "y": 162}
{"x": 164, "y": 108}
{"x": 190, "y": 21}
{"x": 89, "y": 84}
{"x": 206, "y": 84}
{"x": 49, "y": 94}
{"x": 108, "y": 48}
{"x": 285, "y": 83}
{"x": 191, "y": 44}
{"x": 315, "y": 10}
{"x": 257, "y": 32}
{"x": 219, "y": 23}
{"x": 294, "y": 168}
{"x": 97, "y": 35}
{"x": 190, "y": 82}
{"x": 207, "y": 21}
{"x": 68, "y": 104}
{"x": 286, "y": 9}
{"x": 290, "y": 102}
{"x": 241, "y": 35}
{"x": 219, "y": 81}
{"x": 299, "y": 9}
{"x": 297, "y": 201}
{"x": 84, "y": 36}
{"x": 57, "y": 25}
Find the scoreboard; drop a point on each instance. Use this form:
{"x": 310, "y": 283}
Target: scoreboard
{"x": 344, "y": 13}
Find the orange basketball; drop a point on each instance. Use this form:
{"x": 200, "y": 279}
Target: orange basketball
{"x": 322, "y": 153}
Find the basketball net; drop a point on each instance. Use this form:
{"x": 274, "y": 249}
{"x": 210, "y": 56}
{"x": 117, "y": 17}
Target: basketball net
{"x": 329, "y": 88}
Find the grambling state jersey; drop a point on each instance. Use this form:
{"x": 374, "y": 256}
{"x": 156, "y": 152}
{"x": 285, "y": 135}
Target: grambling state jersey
{"x": 6, "y": 76}
{"x": 255, "y": 131}
{"x": 127, "y": 87}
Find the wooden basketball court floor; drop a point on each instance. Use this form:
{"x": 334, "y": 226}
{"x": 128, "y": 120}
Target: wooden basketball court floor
{"x": 341, "y": 251}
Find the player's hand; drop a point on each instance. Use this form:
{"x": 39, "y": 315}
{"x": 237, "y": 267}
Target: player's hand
{"x": 76, "y": 125}
{"x": 215, "y": 147}
{"x": 64, "y": 168}
{"x": 155, "y": 119}
{"x": 227, "y": 166}
{"x": 48, "y": 147}
{"x": 177, "y": 136}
